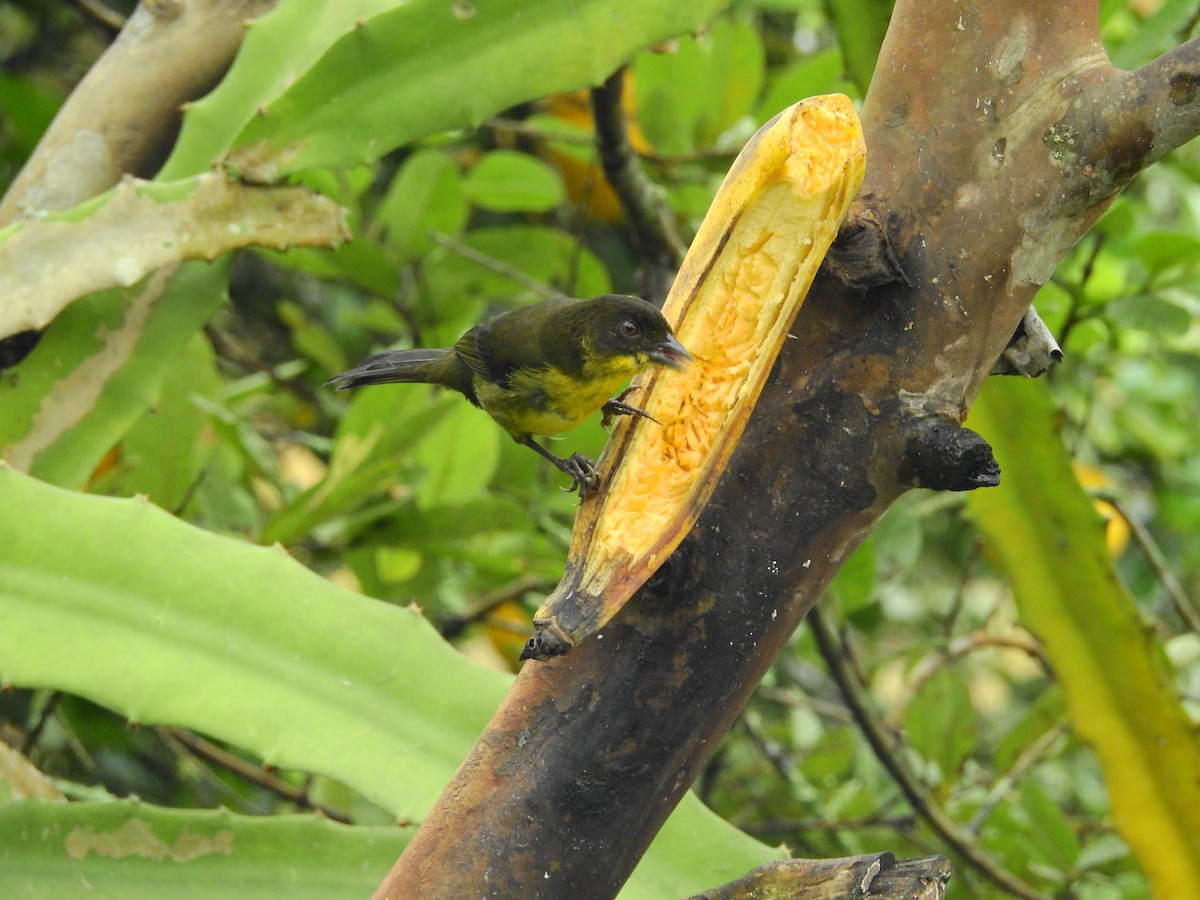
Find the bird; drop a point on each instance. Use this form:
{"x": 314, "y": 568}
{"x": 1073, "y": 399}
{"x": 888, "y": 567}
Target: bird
{"x": 542, "y": 369}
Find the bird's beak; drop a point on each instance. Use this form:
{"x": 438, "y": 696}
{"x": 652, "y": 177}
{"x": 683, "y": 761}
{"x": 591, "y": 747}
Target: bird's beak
{"x": 670, "y": 353}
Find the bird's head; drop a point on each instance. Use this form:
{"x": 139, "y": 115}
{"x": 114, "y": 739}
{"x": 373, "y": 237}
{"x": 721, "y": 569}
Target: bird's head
{"x": 631, "y": 329}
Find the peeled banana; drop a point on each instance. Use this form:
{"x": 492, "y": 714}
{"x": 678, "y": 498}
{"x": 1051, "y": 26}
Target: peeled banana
{"x": 742, "y": 283}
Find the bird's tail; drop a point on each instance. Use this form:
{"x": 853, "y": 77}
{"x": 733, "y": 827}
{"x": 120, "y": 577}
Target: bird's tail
{"x": 425, "y": 366}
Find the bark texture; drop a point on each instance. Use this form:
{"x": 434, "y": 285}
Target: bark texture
{"x": 996, "y": 135}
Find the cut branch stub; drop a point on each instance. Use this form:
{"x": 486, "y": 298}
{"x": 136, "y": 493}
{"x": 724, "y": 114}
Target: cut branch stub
{"x": 878, "y": 875}
{"x": 743, "y": 281}
{"x": 943, "y": 456}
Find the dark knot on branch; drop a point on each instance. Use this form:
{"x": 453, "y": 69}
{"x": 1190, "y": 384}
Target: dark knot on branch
{"x": 943, "y": 456}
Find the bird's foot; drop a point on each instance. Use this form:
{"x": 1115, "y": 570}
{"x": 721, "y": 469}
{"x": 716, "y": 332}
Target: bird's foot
{"x": 617, "y": 407}
{"x": 582, "y": 471}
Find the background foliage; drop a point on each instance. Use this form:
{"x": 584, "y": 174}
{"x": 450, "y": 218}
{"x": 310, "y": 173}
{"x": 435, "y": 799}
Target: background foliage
{"x": 153, "y": 652}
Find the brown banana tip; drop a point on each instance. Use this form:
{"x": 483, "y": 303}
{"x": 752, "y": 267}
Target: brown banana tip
{"x": 544, "y": 645}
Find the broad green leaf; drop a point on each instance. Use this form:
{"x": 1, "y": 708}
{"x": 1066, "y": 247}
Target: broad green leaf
{"x": 164, "y": 453}
{"x": 508, "y": 181}
{"x": 419, "y": 68}
{"x": 426, "y": 195}
{"x": 167, "y": 623}
{"x": 1157, "y": 34}
{"x": 1160, "y": 250}
{"x": 688, "y": 98}
{"x": 854, "y": 584}
{"x": 819, "y": 74}
{"x": 1050, "y": 541}
{"x": 942, "y": 724}
{"x": 277, "y": 50}
{"x": 358, "y": 261}
{"x": 132, "y": 851}
{"x": 29, "y": 108}
{"x": 237, "y": 641}
{"x": 1151, "y": 312}
{"x": 1056, "y": 839}
{"x": 861, "y": 26}
{"x": 695, "y": 850}
{"x": 1043, "y": 714}
{"x": 459, "y": 455}
{"x": 98, "y": 369}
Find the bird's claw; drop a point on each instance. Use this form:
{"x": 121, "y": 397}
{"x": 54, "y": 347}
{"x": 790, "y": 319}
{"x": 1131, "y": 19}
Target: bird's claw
{"x": 582, "y": 471}
{"x": 617, "y": 407}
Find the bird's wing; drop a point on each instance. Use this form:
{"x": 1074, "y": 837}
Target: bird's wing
{"x": 472, "y": 349}
{"x": 529, "y": 338}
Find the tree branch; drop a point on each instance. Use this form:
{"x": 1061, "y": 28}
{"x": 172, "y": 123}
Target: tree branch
{"x": 123, "y": 117}
{"x": 649, "y": 216}
{"x": 877, "y": 875}
{"x": 835, "y": 655}
{"x": 1158, "y": 103}
{"x": 591, "y": 751}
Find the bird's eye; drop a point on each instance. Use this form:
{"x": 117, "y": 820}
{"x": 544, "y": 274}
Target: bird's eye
{"x": 629, "y": 329}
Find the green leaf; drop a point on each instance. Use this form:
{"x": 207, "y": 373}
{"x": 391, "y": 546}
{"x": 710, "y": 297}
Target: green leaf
{"x": 818, "y": 74}
{"x": 861, "y": 26}
{"x": 1056, "y": 839}
{"x": 29, "y": 109}
{"x": 167, "y": 623}
{"x": 1160, "y": 250}
{"x": 508, "y": 181}
{"x": 163, "y": 454}
{"x": 1043, "y": 714}
{"x": 359, "y": 261}
{"x": 459, "y": 454}
{"x": 419, "y": 68}
{"x": 854, "y": 583}
{"x": 98, "y": 369}
{"x": 278, "y": 48}
{"x": 374, "y": 438}
{"x": 237, "y": 641}
{"x": 1050, "y": 541}
{"x": 132, "y": 851}
{"x": 688, "y": 98}
{"x": 426, "y": 195}
{"x": 1151, "y": 312}
{"x": 942, "y": 724}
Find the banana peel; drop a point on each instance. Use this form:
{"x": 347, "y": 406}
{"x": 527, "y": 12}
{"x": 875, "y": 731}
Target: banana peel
{"x": 739, "y": 289}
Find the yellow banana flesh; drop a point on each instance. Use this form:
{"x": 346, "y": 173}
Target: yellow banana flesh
{"x": 742, "y": 283}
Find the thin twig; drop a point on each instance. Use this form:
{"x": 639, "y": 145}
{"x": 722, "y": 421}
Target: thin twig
{"x": 770, "y": 750}
{"x": 580, "y": 139}
{"x": 1158, "y": 564}
{"x": 44, "y": 715}
{"x": 769, "y": 829}
{"x": 229, "y": 348}
{"x": 928, "y": 666}
{"x": 251, "y": 772}
{"x": 960, "y": 593}
{"x": 489, "y": 602}
{"x": 882, "y": 743}
{"x": 106, "y": 18}
{"x": 498, "y": 266}
{"x": 1027, "y": 759}
{"x": 653, "y": 224}
{"x": 207, "y": 771}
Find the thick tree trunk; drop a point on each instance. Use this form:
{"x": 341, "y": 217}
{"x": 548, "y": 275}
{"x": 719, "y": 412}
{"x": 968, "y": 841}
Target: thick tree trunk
{"x": 996, "y": 134}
